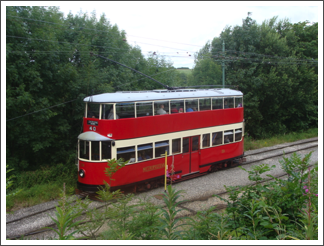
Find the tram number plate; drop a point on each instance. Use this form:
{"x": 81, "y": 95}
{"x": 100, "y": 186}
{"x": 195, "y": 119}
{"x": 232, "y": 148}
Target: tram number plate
{"x": 93, "y": 123}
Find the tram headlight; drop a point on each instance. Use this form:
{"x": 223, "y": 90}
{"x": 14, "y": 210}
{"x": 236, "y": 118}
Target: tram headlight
{"x": 82, "y": 173}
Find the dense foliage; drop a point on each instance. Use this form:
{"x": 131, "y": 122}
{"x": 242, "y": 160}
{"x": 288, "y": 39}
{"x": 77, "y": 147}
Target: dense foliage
{"x": 275, "y": 66}
{"x": 50, "y": 70}
{"x": 282, "y": 209}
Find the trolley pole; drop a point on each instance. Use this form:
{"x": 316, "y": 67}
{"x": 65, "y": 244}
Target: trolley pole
{"x": 223, "y": 65}
{"x": 165, "y": 173}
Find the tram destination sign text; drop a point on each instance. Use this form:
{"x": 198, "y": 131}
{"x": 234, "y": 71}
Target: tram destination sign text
{"x": 92, "y": 122}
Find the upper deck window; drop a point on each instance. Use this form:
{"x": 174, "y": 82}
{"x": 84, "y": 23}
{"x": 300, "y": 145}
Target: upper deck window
{"x": 107, "y": 111}
{"x": 177, "y": 106}
{"x": 204, "y": 104}
{"x": 191, "y": 105}
{"x": 217, "y": 103}
{"x": 238, "y": 102}
{"x": 125, "y": 110}
{"x": 229, "y": 102}
{"x": 93, "y": 110}
{"x": 144, "y": 109}
{"x": 161, "y": 107}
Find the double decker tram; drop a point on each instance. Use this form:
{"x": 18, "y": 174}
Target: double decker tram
{"x": 200, "y": 129}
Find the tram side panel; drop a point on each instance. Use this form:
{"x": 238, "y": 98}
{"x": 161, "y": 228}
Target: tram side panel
{"x": 160, "y": 124}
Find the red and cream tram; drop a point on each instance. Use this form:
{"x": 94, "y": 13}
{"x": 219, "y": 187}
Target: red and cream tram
{"x": 201, "y": 130}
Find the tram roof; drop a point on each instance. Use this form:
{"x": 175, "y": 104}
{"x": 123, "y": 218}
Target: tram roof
{"x": 131, "y": 96}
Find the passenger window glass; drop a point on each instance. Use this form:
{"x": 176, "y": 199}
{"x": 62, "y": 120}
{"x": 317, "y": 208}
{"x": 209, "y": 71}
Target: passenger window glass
{"x": 204, "y": 104}
{"x": 238, "y": 134}
{"x": 176, "y": 148}
{"x": 95, "y": 155}
{"x": 185, "y": 145}
{"x": 160, "y": 148}
{"x": 228, "y": 136}
{"x": 191, "y": 105}
{"x": 217, "y": 103}
{"x": 106, "y": 149}
{"x": 144, "y": 109}
{"x": 93, "y": 110}
{"x": 144, "y": 152}
{"x": 217, "y": 138}
{"x": 206, "y": 140}
{"x": 229, "y": 102}
{"x": 195, "y": 143}
{"x": 125, "y": 110}
{"x": 238, "y": 102}
{"x": 84, "y": 149}
{"x": 161, "y": 107}
{"x": 107, "y": 111}
{"x": 177, "y": 106}
{"x": 126, "y": 154}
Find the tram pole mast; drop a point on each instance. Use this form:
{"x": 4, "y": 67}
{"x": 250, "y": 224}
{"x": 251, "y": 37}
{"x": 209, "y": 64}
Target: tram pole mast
{"x": 223, "y": 65}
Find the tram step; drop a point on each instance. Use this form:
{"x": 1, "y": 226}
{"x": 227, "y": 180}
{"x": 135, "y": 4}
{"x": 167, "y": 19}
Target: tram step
{"x": 190, "y": 176}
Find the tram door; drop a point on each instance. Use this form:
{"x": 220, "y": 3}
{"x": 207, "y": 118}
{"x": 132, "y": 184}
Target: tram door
{"x": 191, "y": 152}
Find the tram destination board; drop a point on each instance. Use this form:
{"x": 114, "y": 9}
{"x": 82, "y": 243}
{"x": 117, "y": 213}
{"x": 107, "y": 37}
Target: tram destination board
{"x": 92, "y": 122}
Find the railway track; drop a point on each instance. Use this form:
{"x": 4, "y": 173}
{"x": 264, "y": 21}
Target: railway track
{"x": 32, "y": 225}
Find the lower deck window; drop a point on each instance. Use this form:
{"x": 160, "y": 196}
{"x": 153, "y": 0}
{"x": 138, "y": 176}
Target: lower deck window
{"x": 160, "y": 148}
{"x": 106, "y": 150}
{"x": 127, "y": 154}
{"x": 84, "y": 149}
{"x": 144, "y": 152}
{"x": 217, "y": 138}
{"x": 206, "y": 140}
{"x": 176, "y": 146}
{"x": 228, "y": 136}
{"x": 95, "y": 153}
{"x": 238, "y": 134}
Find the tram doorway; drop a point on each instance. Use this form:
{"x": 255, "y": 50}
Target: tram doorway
{"x": 191, "y": 154}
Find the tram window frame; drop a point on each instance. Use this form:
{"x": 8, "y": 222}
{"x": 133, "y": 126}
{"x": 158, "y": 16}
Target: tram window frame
{"x": 105, "y": 154}
{"x": 216, "y": 105}
{"x": 206, "y": 141}
{"x": 93, "y": 110}
{"x": 218, "y": 139}
{"x": 144, "y": 109}
{"x": 123, "y": 110}
{"x": 85, "y": 155}
{"x": 204, "y": 107}
{"x": 238, "y": 134}
{"x": 128, "y": 152}
{"x": 105, "y": 112}
{"x": 145, "y": 148}
{"x": 166, "y": 104}
{"x": 229, "y": 134}
{"x": 161, "y": 145}
{"x": 178, "y": 104}
{"x": 176, "y": 142}
{"x": 238, "y": 102}
{"x": 191, "y": 103}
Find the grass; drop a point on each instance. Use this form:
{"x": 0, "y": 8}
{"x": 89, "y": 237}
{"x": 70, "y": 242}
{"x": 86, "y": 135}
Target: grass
{"x": 251, "y": 144}
{"x": 185, "y": 71}
{"x": 41, "y": 193}
{"x": 35, "y": 195}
